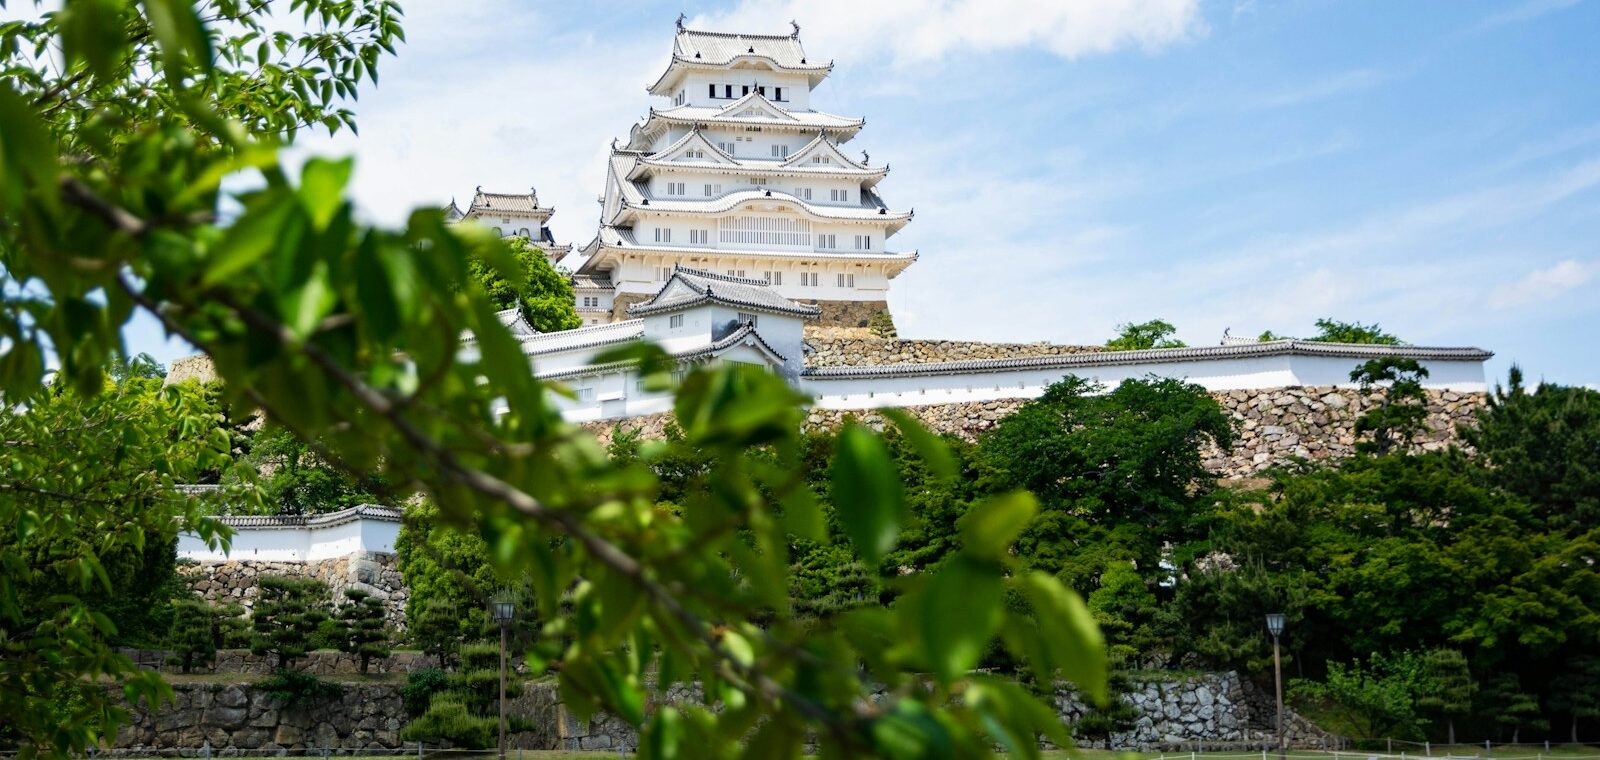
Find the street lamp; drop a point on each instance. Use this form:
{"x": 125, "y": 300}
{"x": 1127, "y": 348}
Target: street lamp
{"x": 502, "y": 611}
{"x": 1275, "y": 622}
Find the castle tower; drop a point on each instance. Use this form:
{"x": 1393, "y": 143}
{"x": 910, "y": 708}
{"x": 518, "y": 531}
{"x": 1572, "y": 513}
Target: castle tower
{"x": 739, "y": 175}
{"x": 513, "y": 215}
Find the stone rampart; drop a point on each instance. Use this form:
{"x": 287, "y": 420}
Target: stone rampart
{"x": 1273, "y": 424}
{"x": 849, "y": 314}
{"x": 833, "y": 350}
{"x": 234, "y": 581}
{"x": 321, "y": 662}
{"x": 1215, "y": 709}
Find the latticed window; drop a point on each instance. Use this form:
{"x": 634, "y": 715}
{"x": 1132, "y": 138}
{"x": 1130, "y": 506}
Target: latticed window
{"x": 764, "y": 230}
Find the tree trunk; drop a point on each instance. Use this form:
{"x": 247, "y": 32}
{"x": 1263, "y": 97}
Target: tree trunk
{"x": 1574, "y": 727}
{"x": 1515, "y": 732}
{"x": 1451, "y": 722}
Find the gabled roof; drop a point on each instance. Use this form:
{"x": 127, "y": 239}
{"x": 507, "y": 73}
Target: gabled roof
{"x": 821, "y": 145}
{"x": 745, "y": 334}
{"x": 698, "y": 49}
{"x": 691, "y": 287}
{"x": 592, "y": 282}
{"x": 325, "y": 520}
{"x": 638, "y": 196}
{"x": 754, "y": 105}
{"x": 507, "y": 203}
{"x": 514, "y": 323}
{"x": 452, "y": 213}
{"x": 1155, "y": 355}
{"x": 694, "y": 139}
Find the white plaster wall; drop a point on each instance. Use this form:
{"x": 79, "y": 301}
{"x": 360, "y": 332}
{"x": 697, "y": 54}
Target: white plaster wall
{"x": 1215, "y": 375}
{"x": 796, "y": 89}
{"x": 297, "y": 543}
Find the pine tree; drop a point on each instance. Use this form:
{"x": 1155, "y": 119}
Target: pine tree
{"x": 361, "y": 627}
{"x": 1505, "y": 703}
{"x": 193, "y": 638}
{"x": 1447, "y": 687}
{"x": 287, "y": 614}
{"x": 1403, "y": 409}
{"x": 1576, "y": 692}
{"x": 437, "y": 632}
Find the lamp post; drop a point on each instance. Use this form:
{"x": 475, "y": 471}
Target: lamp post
{"x": 1275, "y": 627}
{"x": 502, "y": 611}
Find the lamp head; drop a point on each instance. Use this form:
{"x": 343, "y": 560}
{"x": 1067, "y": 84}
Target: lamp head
{"x": 1275, "y": 623}
{"x": 502, "y": 611}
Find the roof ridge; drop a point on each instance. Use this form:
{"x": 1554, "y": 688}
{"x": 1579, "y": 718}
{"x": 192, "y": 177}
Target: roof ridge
{"x": 717, "y": 276}
{"x": 736, "y": 35}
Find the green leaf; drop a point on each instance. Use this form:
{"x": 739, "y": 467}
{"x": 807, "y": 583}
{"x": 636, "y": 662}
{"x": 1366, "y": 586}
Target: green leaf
{"x": 92, "y": 31}
{"x": 180, "y": 35}
{"x": 322, "y": 184}
{"x": 1072, "y": 638}
{"x": 26, "y": 150}
{"x": 988, "y": 529}
{"x": 961, "y": 608}
{"x": 868, "y": 496}
{"x": 252, "y": 236}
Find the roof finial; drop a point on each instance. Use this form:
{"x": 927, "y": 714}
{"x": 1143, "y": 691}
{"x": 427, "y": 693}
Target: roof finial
{"x": 865, "y": 158}
{"x": 796, "y": 25}
{"x": 479, "y": 188}
{"x": 681, "y": 17}
{"x": 533, "y": 192}
{"x": 613, "y": 143}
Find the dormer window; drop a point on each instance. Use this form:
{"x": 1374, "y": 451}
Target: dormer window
{"x": 819, "y": 160}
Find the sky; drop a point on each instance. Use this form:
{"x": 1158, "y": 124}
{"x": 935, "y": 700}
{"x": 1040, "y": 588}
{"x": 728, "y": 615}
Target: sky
{"x": 1432, "y": 166}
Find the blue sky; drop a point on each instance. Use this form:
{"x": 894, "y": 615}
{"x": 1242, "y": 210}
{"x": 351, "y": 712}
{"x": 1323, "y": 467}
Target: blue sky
{"x": 1431, "y": 166}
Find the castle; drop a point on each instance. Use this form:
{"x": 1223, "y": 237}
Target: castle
{"x": 733, "y": 225}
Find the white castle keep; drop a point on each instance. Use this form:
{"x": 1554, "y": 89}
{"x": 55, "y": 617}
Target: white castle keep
{"x": 731, "y": 219}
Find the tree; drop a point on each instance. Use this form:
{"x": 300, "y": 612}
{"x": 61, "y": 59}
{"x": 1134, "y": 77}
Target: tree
{"x": 287, "y": 615}
{"x": 1334, "y": 331}
{"x": 449, "y": 577}
{"x": 363, "y": 632}
{"x": 1404, "y": 406}
{"x": 542, "y": 293}
{"x": 1576, "y": 691}
{"x": 1375, "y": 698}
{"x": 437, "y": 631}
{"x": 1544, "y": 445}
{"x": 298, "y": 482}
{"x": 1504, "y": 703}
{"x": 465, "y": 713}
{"x": 1153, "y": 334}
{"x": 87, "y": 559}
{"x": 192, "y": 639}
{"x": 348, "y": 335}
{"x": 1446, "y": 688}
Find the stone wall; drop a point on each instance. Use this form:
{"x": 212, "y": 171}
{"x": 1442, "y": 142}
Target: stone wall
{"x": 1273, "y": 425}
{"x": 1216, "y": 709}
{"x": 239, "y": 719}
{"x": 849, "y": 314}
{"x": 235, "y": 580}
{"x": 197, "y": 368}
{"x": 620, "y": 304}
{"x": 848, "y": 350}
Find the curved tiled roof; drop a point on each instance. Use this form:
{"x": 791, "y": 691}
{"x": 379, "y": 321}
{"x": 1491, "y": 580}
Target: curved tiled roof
{"x": 1154, "y": 355}
{"x": 516, "y": 203}
{"x": 623, "y": 237}
{"x": 739, "y": 292}
{"x": 593, "y": 336}
{"x": 700, "y": 352}
{"x": 720, "y": 49}
{"x": 514, "y": 323}
{"x": 269, "y": 522}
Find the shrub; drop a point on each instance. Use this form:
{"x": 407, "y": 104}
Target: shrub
{"x": 447, "y": 719}
{"x": 420, "y": 687}
{"x": 361, "y": 629}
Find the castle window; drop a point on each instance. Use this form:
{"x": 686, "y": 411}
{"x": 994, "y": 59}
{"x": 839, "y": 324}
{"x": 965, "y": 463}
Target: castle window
{"x": 819, "y": 159}
{"x": 663, "y": 235}
{"x": 663, "y": 273}
{"x": 712, "y": 190}
{"x": 758, "y": 180}
{"x": 585, "y": 395}
{"x": 775, "y": 278}
{"x": 829, "y": 240}
{"x": 803, "y": 192}
{"x": 713, "y": 92}
{"x": 746, "y": 90}
{"x": 675, "y": 321}
{"x": 780, "y": 151}
{"x": 747, "y": 318}
{"x": 777, "y": 93}
{"x": 699, "y": 237}
{"x": 761, "y": 90}
{"x": 863, "y": 242}
{"x": 847, "y": 280}
{"x": 727, "y": 91}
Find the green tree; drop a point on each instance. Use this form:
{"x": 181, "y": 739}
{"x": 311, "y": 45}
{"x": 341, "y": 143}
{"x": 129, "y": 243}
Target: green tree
{"x": 1334, "y": 331}
{"x": 193, "y": 638}
{"x": 437, "y": 631}
{"x": 1446, "y": 688}
{"x": 1576, "y": 691}
{"x": 1156, "y": 333}
{"x": 348, "y": 335}
{"x": 1401, "y": 412}
{"x": 465, "y": 713}
{"x": 298, "y": 482}
{"x": 535, "y": 286}
{"x": 287, "y": 615}
{"x": 1505, "y": 704}
{"x": 87, "y": 559}
{"x": 1544, "y": 445}
{"x": 449, "y": 577}
{"x": 363, "y": 632}
{"x": 1375, "y": 698}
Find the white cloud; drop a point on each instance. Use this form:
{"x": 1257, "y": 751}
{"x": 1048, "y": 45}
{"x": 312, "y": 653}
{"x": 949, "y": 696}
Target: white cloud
{"x": 1541, "y": 285}
{"x": 1342, "y": 83}
{"x": 1530, "y": 9}
{"x": 911, "y": 32}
